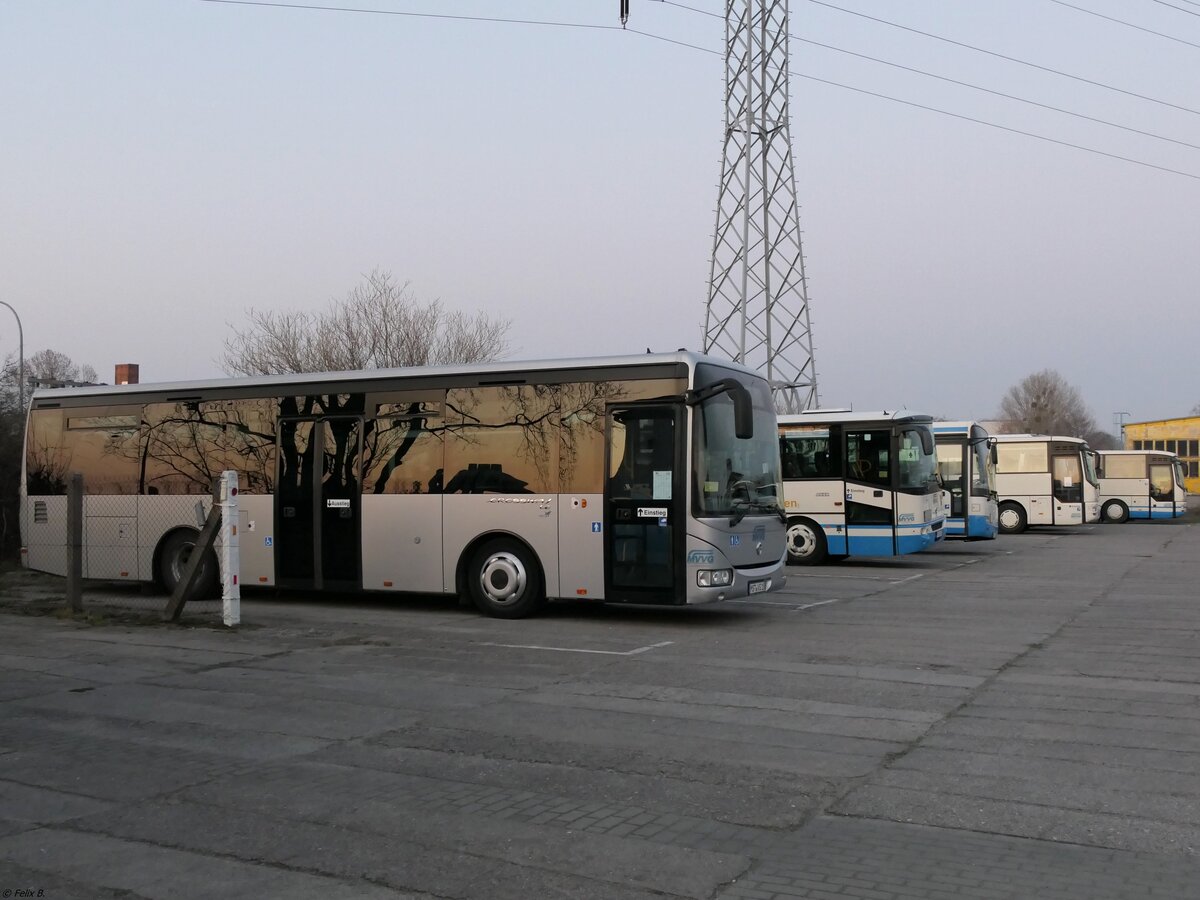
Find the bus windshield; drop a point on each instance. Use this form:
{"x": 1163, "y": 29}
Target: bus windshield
{"x": 1089, "y": 467}
{"x": 1179, "y": 474}
{"x": 917, "y": 465}
{"x": 734, "y": 476}
{"x": 983, "y": 473}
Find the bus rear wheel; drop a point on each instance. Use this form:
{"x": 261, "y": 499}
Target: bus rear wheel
{"x": 1114, "y": 511}
{"x": 805, "y": 543}
{"x": 173, "y": 557}
{"x": 1012, "y": 518}
{"x": 504, "y": 580}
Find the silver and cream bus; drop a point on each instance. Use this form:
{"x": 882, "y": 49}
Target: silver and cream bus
{"x": 967, "y": 469}
{"x": 644, "y": 479}
{"x": 859, "y": 484}
{"x": 1045, "y": 480}
{"x": 1140, "y": 484}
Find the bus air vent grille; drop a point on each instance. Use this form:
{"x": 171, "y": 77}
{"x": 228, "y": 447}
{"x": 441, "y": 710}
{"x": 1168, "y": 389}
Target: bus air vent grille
{"x": 40, "y": 517}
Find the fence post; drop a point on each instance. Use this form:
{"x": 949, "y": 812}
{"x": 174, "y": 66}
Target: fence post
{"x": 75, "y": 542}
{"x": 231, "y": 591}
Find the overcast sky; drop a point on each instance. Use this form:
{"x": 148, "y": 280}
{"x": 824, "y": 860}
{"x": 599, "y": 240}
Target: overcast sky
{"x": 168, "y": 164}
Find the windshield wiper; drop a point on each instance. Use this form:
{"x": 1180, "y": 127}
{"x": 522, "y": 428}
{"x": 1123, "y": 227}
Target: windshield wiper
{"x": 739, "y": 513}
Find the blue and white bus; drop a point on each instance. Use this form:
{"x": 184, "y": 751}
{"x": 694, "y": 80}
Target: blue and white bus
{"x": 1140, "y": 484}
{"x": 859, "y": 484}
{"x": 967, "y": 468}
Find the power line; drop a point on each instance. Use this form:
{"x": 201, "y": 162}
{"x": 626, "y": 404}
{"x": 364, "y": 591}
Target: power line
{"x": 955, "y": 81}
{"x": 1180, "y": 8}
{"x": 1091, "y": 12}
{"x": 368, "y": 11}
{"x": 414, "y": 15}
{"x": 1012, "y": 59}
{"x": 1040, "y": 137}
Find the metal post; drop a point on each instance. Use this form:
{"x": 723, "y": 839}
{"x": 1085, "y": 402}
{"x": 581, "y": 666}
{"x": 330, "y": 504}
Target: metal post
{"x": 20, "y": 355}
{"x": 75, "y": 542}
{"x": 231, "y": 591}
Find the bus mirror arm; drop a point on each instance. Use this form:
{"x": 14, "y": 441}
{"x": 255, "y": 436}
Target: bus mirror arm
{"x": 743, "y": 407}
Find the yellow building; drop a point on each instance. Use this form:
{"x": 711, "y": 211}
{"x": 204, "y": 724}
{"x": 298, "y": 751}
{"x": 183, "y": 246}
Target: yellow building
{"x": 1180, "y": 436}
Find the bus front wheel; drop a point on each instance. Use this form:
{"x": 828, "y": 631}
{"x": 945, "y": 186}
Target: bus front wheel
{"x": 1012, "y": 518}
{"x": 805, "y": 543}
{"x": 504, "y": 580}
{"x": 1115, "y": 511}
{"x": 173, "y": 558}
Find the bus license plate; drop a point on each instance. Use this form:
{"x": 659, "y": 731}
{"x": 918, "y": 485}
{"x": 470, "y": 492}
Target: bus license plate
{"x": 759, "y": 587}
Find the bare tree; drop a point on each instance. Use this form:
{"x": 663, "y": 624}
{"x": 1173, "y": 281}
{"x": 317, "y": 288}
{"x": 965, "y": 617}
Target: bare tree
{"x": 46, "y": 366}
{"x": 1102, "y": 440}
{"x": 53, "y": 367}
{"x": 379, "y": 324}
{"x": 1044, "y": 403}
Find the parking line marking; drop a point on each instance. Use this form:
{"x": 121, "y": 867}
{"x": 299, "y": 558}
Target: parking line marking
{"x": 580, "y": 649}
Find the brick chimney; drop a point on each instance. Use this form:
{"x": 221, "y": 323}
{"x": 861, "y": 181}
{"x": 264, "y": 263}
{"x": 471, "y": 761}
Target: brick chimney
{"x": 127, "y": 373}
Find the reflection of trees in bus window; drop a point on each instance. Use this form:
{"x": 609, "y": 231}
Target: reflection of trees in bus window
{"x": 508, "y": 427}
{"x": 102, "y": 446}
{"x": 47, "y": 461}
{"x": 402, "y": 456}
{"x": 185, "y": 446}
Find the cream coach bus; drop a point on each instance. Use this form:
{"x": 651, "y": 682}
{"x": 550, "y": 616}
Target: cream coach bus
{"x": 1045, "y": 480}
{"x": 645, "y": 479}
{"x": 1140, "y": 484}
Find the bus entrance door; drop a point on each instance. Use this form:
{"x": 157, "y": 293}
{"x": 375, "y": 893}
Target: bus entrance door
{"x": 1162, "y": 489}
{"x": 318, "y": 499}
{"x": 644, "y": 504}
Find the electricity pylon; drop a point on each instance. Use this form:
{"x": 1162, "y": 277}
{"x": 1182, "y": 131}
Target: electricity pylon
{"x": 757, "y": 312}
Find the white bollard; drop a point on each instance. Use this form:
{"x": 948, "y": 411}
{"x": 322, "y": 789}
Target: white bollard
{"x": 231, "y": 591}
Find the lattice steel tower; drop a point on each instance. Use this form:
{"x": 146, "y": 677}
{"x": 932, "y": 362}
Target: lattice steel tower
{"x": 757, "y": 311}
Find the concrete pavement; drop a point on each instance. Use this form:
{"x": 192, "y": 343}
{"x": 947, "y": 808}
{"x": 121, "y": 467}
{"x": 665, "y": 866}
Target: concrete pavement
{"x": 1007, "y": 719}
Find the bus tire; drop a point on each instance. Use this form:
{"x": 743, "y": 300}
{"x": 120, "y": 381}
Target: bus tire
{"x": 805, "y": 543}
{"x": 1012, "y": 518}
{"x": 504, "y": 580}
{"x": 173, "y": 555}
{"x": 1114, "y": 511}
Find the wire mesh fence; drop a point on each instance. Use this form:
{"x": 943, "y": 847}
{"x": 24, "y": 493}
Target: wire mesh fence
{"x": 122, "y": 553}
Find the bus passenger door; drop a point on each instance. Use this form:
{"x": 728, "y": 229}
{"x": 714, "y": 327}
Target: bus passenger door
{"x": 870, "y": 519}
{"x": 1067, "y": 486}
{"x": 1162, "y": 490}
{"x": 644, "y": 504}
{"x": 317, "y": 537}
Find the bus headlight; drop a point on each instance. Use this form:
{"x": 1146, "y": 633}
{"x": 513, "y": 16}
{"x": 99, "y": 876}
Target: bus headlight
{"x": 714, "y": 577}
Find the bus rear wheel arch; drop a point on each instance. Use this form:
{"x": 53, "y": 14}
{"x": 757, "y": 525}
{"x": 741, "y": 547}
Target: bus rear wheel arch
{"x": 806, "y": 545}
{"x": 1012, "y": 518}
{"x": 171, "y": 559}
{"x": 1114, "y": 511}
{"x": 503, "y": 578}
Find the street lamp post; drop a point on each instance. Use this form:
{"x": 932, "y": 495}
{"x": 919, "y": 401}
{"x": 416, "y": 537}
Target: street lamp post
{"x": 20, "y": 356}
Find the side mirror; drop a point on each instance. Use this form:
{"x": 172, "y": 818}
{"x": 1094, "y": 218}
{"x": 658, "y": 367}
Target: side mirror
{"x": 743, "y": 405}
{"x": 743, "y": 412}
{"x": 927, "y": 443}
